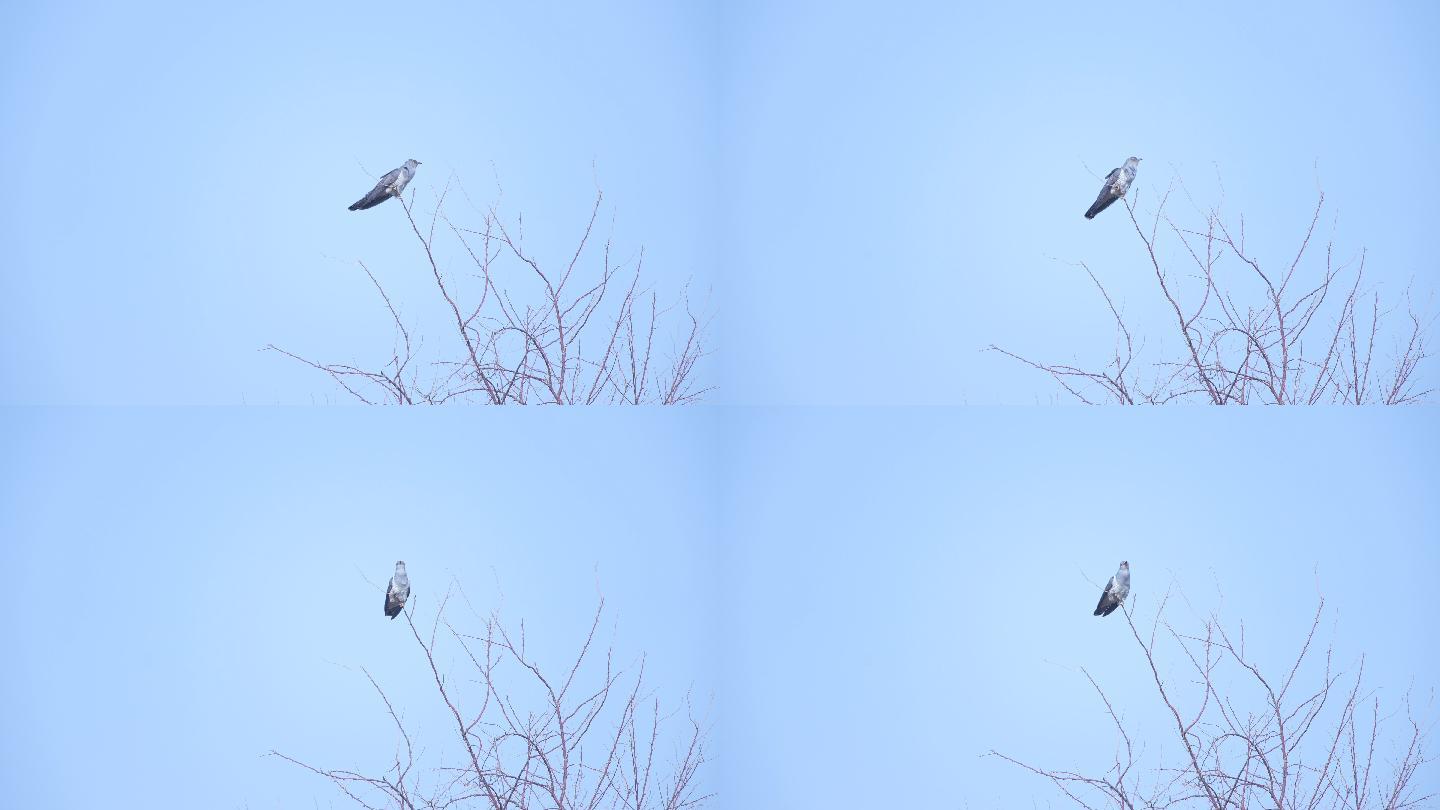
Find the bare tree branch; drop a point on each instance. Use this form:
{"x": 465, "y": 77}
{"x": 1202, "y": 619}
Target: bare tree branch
{"x": 528, "y": 739}
{"x": 1244, "y": 340}
{"x": 542, "y": 336}
{"x": 1251, "y": 738}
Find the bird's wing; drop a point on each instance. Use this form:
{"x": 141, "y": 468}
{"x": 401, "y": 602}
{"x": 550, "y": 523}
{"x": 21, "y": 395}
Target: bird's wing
{"x": 379, "y": 194}
{"x": 1107, "y": 603}
{"x": 1101, "y": 203}
{"x": 390, "y": 604}
{"x": 1107, "y": 195}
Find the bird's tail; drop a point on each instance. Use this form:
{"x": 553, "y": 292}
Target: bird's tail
{"x": 368, "y": 201}
{"x": 1100, "y": 205}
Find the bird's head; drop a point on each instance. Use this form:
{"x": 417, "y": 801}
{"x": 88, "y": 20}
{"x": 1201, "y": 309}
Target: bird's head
{"x": 400, "y": 566}
{"x": 1134, "y": 159}
{"x": 412, "y": 163}
{"x": 1125, "y": 565}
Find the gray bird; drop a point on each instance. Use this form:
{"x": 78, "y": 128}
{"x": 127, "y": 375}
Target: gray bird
{"x": 1115, "y": 590}
{"x": 1117, "y": 182}
{"x": 389, "y": 186}
{"x": 398, "y": 591}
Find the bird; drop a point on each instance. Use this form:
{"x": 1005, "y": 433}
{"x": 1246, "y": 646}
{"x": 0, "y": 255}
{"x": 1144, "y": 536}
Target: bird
{"x": 1115, "y": 591}
{"x": 1117, "y": 182}
{"x": 389, "y": 186}
{"x": 398, "y": 591}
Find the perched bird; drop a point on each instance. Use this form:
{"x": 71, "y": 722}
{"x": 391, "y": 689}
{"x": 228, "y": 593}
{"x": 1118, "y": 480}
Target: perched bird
{"x": 1115, "y": 591}
{"x": 398, "y": 591}
{"x": 1117, "y": 182}
{"x": 389, "y": 186}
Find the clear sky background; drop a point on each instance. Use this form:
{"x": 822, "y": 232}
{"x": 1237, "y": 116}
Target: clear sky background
{"x": 863, "y": 593}
{"x": 906, "y": 182}
{"x": 189, "y": 588}
{"x": 873, "y": 194}
{"x": 179, "y": 175}
{"x": 909, "y": 589}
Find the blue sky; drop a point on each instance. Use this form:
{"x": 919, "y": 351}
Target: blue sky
{"x": 909, "y": 589}
{"x": 873, "y": 194}
{"x": 906, "y": 181}
{"x": 860, "y": 189}
{"x": 860, "y": 592}
{"x": 191, "y": 586}
{"x": 257, "y": 126}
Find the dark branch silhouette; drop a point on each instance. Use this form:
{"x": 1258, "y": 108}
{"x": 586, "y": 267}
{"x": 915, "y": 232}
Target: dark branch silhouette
{"x": 1310, "y": 736}
{"x": 590, "y": 736}
{"x": 525, "y": 330}
{"x": 1297, "y": 330}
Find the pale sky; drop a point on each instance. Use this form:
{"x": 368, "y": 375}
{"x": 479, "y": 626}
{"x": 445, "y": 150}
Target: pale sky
{"x": 871, "y": 573}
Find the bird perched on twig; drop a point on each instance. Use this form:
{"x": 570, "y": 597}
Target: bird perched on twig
{"x": 1115, "y": 591}
{"x": 398, "y": 591}
{"x": 389, "y": 186}
{"x": 1117, "y": 182}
